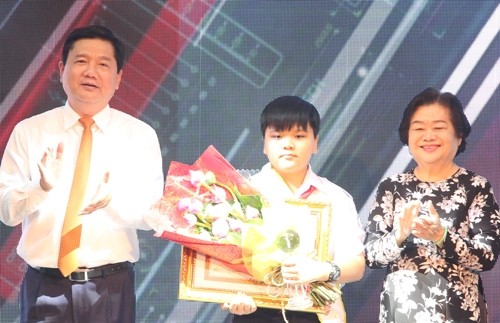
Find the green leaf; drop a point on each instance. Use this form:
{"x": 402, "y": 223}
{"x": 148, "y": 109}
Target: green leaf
{"x": 252, "y": 200}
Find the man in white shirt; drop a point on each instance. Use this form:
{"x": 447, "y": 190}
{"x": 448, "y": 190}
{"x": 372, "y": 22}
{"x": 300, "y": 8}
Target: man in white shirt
{"x": 125, "y": 178}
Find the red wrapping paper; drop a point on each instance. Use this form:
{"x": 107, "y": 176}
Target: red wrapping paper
{"x": 178, "y": 186}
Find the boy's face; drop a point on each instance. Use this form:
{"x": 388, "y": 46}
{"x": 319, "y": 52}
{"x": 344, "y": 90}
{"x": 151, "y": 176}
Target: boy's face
{"x": 290, "y": 151}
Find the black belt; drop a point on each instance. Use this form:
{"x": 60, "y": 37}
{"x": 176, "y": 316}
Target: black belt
{"x": 86, "y": 274}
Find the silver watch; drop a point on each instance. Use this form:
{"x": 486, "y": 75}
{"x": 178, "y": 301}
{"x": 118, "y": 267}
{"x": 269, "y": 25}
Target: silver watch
{"x": 334, "y": 274}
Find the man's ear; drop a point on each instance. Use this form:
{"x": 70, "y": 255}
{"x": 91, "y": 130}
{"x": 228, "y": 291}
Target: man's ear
{"x": 61, "y": 70}
{"x": 119, "y": 79}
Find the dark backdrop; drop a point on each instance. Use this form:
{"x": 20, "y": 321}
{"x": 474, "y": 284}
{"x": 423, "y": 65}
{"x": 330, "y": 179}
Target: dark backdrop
{"x": 200, "y": 72}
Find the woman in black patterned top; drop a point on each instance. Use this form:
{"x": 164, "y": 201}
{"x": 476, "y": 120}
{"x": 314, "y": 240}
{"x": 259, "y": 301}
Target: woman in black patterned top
{"x": 435, "y": 227}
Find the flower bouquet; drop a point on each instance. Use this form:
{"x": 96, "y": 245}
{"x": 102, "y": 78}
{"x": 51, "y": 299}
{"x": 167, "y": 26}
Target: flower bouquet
{"x": 211, "y": 208}
{"x": 204, "y": 207}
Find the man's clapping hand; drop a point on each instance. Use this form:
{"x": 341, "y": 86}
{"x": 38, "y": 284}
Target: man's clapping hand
{"x": 50, "y": 167}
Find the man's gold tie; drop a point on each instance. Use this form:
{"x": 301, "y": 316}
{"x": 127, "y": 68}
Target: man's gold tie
{"x": 72, "y": 227}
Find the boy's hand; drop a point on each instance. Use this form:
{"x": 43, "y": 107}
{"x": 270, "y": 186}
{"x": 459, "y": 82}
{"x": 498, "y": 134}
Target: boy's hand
{"x": 304, "y": 270}
{"x": 241, "y": 304}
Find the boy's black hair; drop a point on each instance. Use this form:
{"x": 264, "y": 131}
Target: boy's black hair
{"x": 93, "y": 32}
{"x": 449, "y": 101}
{"x": 288, "y": 111}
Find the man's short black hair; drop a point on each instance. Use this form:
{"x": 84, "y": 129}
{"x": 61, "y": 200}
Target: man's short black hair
{"x": 93, "y": 32}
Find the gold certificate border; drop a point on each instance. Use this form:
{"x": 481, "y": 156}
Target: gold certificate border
{"x": 206, "y": 279}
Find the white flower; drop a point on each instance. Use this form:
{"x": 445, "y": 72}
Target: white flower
{"x": 217, "y": 211}
{"x": 197, "y": 177}
{"x": 219, "y": 194}
{"x": 235, "y": 224}
{"x": 220, "y": 228}
{"x": 191, "y": 219}
{"x": 251, "y": 212}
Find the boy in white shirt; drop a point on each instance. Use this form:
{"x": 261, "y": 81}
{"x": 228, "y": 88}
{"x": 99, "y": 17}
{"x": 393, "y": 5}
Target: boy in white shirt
{"x": 290, "y": 127}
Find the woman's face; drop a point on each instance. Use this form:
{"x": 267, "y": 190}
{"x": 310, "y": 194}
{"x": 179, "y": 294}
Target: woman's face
{"x": 432, "y": 139}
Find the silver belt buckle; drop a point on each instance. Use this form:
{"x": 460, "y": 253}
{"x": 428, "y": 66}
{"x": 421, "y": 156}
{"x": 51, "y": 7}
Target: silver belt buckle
{"x": 79, "y": 280}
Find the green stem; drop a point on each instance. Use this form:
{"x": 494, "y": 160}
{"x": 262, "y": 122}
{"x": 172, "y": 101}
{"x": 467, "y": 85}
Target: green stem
{"x": 224, "y": 186}
{"x": 223, "y": 198}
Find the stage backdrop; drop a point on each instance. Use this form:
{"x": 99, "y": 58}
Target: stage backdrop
{"x": 200, "y": 72}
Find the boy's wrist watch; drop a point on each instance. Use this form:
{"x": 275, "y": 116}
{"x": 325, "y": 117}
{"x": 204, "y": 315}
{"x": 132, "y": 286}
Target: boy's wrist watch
{"x": 334, "y": 273}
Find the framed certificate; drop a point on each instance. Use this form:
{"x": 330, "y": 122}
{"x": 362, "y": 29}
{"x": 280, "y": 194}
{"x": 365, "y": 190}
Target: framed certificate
{"x": 204, "y": 278}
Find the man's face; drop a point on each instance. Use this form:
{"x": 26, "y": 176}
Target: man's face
{"x": 90, "y": 76}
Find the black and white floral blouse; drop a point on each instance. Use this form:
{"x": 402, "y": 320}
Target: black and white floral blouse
{"x": 426, "y": 283}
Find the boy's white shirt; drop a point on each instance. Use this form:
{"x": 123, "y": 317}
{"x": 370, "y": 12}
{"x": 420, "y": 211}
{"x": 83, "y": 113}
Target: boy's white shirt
{"x": 346, "y": 227}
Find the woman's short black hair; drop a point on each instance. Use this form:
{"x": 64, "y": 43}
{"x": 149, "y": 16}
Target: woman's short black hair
{"x": 431, "y": 96}
{"x": 93, "y": 32}
{"x": 285, "y": 112}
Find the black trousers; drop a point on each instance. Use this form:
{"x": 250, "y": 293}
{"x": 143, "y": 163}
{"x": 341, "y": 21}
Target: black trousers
{"x": 109, "y": 299}
{"x": 269, "y": 315}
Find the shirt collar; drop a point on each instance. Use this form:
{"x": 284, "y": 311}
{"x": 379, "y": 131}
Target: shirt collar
{"x": 101, "y": 119}
{"x": 311, "y": 181}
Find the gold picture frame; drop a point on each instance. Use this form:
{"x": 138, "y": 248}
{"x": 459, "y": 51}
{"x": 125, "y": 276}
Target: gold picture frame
{"x": 203, "y": 278}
